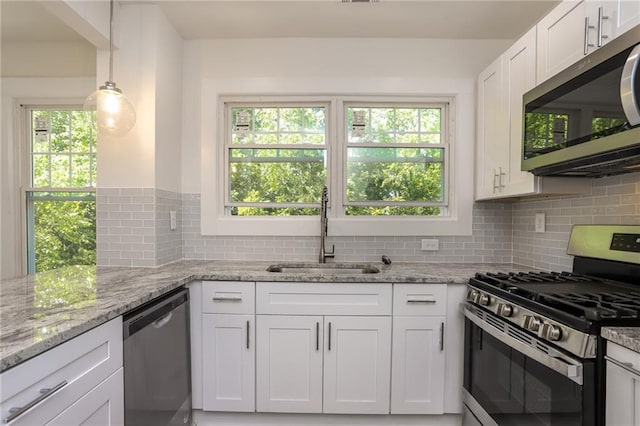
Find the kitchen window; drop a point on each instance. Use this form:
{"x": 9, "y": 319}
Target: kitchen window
{"x": 60, "y": 198}
{"x": 385, "y": 160}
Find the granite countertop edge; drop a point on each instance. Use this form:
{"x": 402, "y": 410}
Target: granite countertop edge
{"x": 137, "y": 286}
{"x": 628, "y": 337}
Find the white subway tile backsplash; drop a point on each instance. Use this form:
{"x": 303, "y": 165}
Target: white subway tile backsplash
{"x": 134, "y": 230}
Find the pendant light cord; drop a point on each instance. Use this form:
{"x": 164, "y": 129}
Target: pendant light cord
{"x": 111, "y": 41}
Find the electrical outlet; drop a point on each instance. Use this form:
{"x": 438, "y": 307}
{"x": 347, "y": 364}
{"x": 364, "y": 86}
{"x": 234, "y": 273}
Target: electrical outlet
{"x": 431, "y": 244}
{"x": 540, "y": 222}
{"x": 174, "y": 220}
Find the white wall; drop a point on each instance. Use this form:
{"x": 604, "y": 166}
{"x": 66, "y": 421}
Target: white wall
{"x": 148, "y": 69}
{"x": 14, "y": 91}
{"x": 53, "y": 59}
{"x": 168, "y": 106}
{"x": 322, "y": 59}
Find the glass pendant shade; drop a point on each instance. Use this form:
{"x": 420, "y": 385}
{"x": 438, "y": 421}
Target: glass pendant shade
{"x": 115, "y": 114}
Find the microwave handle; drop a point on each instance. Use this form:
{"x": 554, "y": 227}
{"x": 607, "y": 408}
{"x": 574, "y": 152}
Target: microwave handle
{"x": 630, "y": 99}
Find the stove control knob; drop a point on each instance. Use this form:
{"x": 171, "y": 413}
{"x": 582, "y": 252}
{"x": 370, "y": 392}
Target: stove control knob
{"x": 505, "y": 310}
{"x": 472, "y": 295}
{"x": 484, "y": 300}
{"x": 550, "y": 332}
{"x": 555, "y": 333}
{"x": 532, "y": 323}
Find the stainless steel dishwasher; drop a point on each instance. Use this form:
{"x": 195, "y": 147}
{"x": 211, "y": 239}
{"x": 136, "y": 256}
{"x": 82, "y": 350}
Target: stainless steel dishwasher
{"x": 157, "y": 362}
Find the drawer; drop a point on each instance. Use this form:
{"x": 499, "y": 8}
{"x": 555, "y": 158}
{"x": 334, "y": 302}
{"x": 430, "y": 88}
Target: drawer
{"x": 228, "y": 297}
{"x": 323, "y": 298}
{"x": 623, "y": 355}
{"x": 419, "y": 299}
{"x": 73, "y": 368}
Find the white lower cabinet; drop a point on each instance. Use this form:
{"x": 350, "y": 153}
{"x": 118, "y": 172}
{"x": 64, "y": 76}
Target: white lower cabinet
{"x": 228, "y": 347}
{"x": 418, "y": 365}
{"x": 357, "y": 365}
{"x": 289, "y": 363}
{"x": 77, "y": 382}
{"x": 417, "y": 371}
{"x": 316, "y": 364}
{"x": 103, "y": 405}
{"x": 623, "y": 386}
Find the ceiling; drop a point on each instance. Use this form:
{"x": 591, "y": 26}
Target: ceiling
{"x": 209, "y": 19}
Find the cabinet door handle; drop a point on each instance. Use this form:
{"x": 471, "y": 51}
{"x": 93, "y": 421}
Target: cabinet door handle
{"x": 248, "y": 325}
{"x": 601, "y": 18}
{"x": 501, "y": 173}
{"x": 587, "y": 27}
{"x": 317, "y": 336}
{"x": 329, "y": 336}
{"x": 227, "y": 299}
{"x": 441, "y": 336}
{"x": 495, "y": 175}
{"x": 425, "y": 301}
{"x": 45, "y": 393}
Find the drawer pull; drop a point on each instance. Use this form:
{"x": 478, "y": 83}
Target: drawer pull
{"x": 44, "y": 394}
{"x": 441, "y": 336}
{"x": 329, "y": 336}
{"x": 227, "y": 299}
{"x": 425, "y": 301}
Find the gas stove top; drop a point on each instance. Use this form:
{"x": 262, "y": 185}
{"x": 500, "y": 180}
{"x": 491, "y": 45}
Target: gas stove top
{"x": 584, "y": 297}
{"x": 568, "y": 309}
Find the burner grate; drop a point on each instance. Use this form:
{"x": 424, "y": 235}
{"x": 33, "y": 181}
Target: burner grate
{"x": 567, "y": 294}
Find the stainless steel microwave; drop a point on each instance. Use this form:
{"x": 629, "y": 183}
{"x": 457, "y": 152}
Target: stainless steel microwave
{"x": 585, "y": 121}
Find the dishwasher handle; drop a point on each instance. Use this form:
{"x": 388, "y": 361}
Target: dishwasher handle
{"x": 156, "y": 313}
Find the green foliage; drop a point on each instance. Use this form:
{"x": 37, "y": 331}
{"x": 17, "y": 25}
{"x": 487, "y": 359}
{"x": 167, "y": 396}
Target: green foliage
{"x": 64, "y": 224}
{"x": 65, "y": 233}
{"x": 384, "y": 177}
{"x": 544, "y": 130}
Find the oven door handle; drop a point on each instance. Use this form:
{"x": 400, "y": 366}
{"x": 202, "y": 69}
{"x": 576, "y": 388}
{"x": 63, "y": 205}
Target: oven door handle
{"x": 559, "y": 362}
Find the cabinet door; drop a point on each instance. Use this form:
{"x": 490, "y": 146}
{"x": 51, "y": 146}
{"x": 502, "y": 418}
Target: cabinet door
{"x": 492, "y": 152}
{"x": 417, "y": 371}
{"x": 357, "y": 364}
{"x": 103, "y": 405}
{"x": 619, "y": 16}
{"x": 228, "y": 362}
{"x": 289, "y": 363}
{"x": 519, "y": 77}
{"x": 561, "y": 38}
{"x": 623, "y": 397}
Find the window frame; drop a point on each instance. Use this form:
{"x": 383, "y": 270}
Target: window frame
{"x": 228, "y": 146}
{"x": 460, "y": 92}
{"x": 24, "y": 136}
{"x": 344, "y": 144}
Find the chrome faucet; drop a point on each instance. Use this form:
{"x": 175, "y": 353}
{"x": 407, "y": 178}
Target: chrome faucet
{"x": 324, "y": 223}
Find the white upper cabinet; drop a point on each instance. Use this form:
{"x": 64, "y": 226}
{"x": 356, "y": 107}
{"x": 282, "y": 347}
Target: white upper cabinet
{"x": 563, "y": 38}
{"x": 576, "y": 28}
{"x": 610, "y": 18}
{"x": 500, "y": 129}
{"x": 492, "y": 130}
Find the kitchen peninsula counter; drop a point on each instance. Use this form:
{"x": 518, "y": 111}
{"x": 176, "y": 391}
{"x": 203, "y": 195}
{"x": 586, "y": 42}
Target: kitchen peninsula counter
{"x": 40, "y": 311}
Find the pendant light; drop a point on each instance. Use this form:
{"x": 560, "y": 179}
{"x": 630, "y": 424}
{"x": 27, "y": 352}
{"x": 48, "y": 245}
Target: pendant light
{"x": 115, "y": 114}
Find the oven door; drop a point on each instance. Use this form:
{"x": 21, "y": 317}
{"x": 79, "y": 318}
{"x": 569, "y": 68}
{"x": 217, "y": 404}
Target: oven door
{"x": 511, "y": 378}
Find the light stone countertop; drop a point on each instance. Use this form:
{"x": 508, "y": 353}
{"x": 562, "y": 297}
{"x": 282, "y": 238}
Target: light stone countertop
{"x": 629, "y": 337}
{"x": 40, "y": 311}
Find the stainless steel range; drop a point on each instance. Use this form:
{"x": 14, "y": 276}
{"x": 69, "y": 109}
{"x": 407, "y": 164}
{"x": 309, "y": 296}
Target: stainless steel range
{"x": 533, "y": 351}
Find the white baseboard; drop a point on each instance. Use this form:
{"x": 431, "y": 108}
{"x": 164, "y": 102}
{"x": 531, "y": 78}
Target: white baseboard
{"x": 202, "y": 418}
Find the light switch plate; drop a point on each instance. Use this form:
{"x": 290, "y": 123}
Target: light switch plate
{"x": 431, "y": 244}
{"x": 540, "y": 222}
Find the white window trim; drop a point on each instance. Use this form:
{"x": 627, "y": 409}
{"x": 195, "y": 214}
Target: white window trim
{"x": 23, "y": 108}
{"x": 459, "y": 219}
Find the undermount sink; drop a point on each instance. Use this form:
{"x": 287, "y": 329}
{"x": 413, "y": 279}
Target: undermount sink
{"x": 325, "y": 268}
